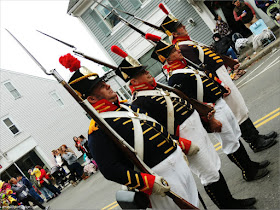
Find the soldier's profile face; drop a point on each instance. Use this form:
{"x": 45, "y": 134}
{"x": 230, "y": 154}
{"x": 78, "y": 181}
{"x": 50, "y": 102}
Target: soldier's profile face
{"x": 175, "y": 55}
{"x": 181, "y": 31}
{"x": 104, "y": 91}
{"x": 145, "y": 78}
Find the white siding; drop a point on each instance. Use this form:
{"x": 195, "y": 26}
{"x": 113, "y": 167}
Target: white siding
{"x": 38, "y": 115}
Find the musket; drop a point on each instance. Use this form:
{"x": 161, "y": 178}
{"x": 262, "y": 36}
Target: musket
{"x": 227, "y": 60}
{"x": 127, "y": 13}
{"x": 142, "y": 33}
{"x": 202, "y": 109}
{"x": 198, "y": 67}
{"x": 125, "y": 148}
{"x": 125, "y": 21}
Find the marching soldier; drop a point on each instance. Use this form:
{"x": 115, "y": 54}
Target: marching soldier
{"x": 214, "y": 64}
{"x": 180, "y": 119}
{"x": 152, "y": 142}
{"x": 197, "y": 85}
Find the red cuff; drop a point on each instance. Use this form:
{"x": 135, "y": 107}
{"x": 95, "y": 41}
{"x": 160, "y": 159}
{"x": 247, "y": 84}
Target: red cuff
{"x": 218, "y": 80}
{"x": 185, "y": 145}
{"x": 149, "y": 181}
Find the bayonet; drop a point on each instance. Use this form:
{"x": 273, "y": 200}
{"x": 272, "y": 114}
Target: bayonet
{"x": 69, "y": 45}
{"x": 127, "y": 13}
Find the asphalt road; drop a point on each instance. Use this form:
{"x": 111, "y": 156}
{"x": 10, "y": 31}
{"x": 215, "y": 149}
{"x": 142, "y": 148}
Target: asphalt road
{"x": 260, "y": 88}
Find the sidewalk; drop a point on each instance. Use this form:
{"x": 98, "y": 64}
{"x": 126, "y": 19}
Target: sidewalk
{"x": 260, "y": 53}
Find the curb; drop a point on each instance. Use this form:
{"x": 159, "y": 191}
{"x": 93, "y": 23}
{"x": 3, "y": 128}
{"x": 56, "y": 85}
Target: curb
{"x": 262, "y": 53}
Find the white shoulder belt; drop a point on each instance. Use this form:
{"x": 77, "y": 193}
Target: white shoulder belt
{"x": 197, "y": 73}
{"x": 170, "y": 108}
{"x": 200, "y": 50}
{"x": 138, "y": 132}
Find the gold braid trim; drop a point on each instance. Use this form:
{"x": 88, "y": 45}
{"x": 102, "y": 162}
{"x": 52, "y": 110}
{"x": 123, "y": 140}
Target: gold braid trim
{"x": 81, "y": 78}
{"x": 170, "y": 21}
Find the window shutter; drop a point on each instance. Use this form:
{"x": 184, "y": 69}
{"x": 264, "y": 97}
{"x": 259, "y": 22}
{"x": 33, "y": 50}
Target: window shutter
{"x": 136, "y": 3}
{"x": 116, "y": 4}
{"x": 100, "y": 23}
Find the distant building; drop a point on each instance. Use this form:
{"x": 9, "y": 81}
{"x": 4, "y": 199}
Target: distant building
{"x": 108, "y": 30}
{"x": 37, "y": 115}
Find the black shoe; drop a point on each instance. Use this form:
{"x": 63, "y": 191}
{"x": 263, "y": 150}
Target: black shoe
{"x": 260, "y": 174}
{"x": 272, "y": 134}
{"x": 261, "y": 144}
{"x": 262, "y": 164}
{"x": 246, "y": 202}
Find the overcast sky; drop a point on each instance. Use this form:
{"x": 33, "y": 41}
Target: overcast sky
{"x": 23, "y": 18}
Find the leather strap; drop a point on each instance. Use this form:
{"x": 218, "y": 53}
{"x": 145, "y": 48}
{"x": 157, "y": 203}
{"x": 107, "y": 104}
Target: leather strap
{"x": 197, "y": 74}
{"x": 170, "y": 108}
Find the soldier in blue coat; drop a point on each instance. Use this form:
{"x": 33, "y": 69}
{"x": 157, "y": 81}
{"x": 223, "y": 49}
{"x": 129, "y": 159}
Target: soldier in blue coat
{"x": 154, "y": 145}
{"x": 196, "y": 84}
{"x": 182, "y": 120}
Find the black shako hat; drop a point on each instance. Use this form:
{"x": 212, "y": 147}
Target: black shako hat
{"x": 129, "y": 67}
{"x": 83, "y": 80}
{"x": 126, "y": 71}
{"x": 162, "y": 49}
{"x": 169, "y": 25}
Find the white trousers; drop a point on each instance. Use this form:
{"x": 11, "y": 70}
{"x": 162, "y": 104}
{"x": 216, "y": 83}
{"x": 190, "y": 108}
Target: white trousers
{"x": 234, "y": 100}
{"x": 206, "y": 163}
{"x": 176, "y": 172}
{"x": 230, "y": 134}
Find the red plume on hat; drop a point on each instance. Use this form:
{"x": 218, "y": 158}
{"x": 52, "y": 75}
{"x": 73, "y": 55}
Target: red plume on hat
{"x": 152, "y": 37}
{"x": 115, "y": 49}
{"x": 162, "y": 7}
{"x": 70, "y": 62}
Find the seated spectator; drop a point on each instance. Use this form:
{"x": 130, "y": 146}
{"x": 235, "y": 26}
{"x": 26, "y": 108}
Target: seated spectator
{"x": 244, "y": 11}
{"x": 223, "y": 45}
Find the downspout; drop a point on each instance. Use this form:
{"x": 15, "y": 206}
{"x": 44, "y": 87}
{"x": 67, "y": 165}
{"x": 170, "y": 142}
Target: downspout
{"x": 204, "y": 13}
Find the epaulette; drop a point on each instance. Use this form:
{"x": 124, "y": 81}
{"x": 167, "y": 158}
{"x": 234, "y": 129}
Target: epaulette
{"x": 123, "y": 101}
{"x": 92, "y": 127}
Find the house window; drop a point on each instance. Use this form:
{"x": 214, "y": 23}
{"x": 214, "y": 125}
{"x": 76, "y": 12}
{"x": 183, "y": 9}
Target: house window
{"x": 137, "y": 3}
{"x": 106, "y": 19}
{"x": 12, "y": 90}
{"x": 13, "y": 128}
{"x": 57, "y": 98}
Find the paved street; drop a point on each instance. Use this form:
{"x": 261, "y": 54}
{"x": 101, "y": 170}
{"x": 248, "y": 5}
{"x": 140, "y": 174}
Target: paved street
{"x": 260, "y": 87}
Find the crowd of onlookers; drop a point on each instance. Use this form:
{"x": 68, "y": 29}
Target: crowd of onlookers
{"x": 19, "y": 191}
{"x": 229, "y": 42}
{"x": 43, "y": 185}
{"x": 67, "y": 161}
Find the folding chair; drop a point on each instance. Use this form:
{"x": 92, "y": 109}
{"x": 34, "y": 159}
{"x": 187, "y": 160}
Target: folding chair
{"x": 262, "y": 34}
